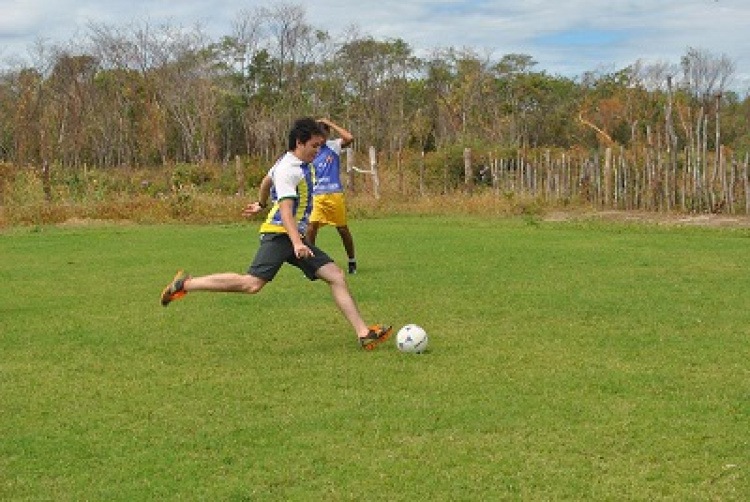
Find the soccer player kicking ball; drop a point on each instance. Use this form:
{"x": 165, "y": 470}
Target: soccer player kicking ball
{"x": 289, "y": 184}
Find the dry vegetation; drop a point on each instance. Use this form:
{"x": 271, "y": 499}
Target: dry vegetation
{"x": 204, "y": 195}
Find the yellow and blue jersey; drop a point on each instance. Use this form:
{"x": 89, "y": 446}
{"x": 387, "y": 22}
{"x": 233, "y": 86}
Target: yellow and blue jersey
{"x": 292, "y": 179}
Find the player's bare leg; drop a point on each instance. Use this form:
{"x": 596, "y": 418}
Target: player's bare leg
{"x": 226, "y": 283}
{"x": 368, "y": 336}
{"x": 183, "y": 283}
{"x": 334, "y": 276}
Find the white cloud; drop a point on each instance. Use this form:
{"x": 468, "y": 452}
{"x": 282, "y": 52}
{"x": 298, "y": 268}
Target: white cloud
{"x": 565, "y": 37}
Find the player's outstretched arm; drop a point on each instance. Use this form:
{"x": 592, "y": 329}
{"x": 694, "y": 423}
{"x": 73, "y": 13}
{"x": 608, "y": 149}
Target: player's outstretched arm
{"x": 264, "y": 193}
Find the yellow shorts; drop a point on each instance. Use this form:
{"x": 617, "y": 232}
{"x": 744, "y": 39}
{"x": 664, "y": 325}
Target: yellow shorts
{"x": 329, "y": 209}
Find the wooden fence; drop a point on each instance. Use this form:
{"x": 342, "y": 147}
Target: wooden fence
{"x": 617, "y": 181}
{"x": 614, "y": 179}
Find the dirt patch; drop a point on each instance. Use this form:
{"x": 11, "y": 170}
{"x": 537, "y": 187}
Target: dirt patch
{"x": 706, "y": 220}
{"x": 92, "y": 222}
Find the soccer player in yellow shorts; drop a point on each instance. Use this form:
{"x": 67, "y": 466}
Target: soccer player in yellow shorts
{"x": 329, "y": 205}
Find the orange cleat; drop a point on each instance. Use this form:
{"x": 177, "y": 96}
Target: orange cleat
{"x": 175, "y": 289}
{"x": 377, "y": 334}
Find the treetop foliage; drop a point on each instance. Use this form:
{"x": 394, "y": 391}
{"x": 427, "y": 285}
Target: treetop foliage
{"x": 139, "y": 94}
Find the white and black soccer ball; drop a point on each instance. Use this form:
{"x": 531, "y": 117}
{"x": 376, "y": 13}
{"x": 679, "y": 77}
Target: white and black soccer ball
{"x": 412, "y": 339}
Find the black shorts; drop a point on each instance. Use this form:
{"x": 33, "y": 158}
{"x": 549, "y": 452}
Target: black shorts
{"x": 277, "y": 249}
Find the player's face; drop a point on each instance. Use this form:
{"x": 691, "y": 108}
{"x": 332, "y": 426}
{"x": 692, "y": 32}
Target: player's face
{"x": 306, "y": 152}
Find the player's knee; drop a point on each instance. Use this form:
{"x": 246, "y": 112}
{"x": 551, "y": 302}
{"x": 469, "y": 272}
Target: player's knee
{"x": 252, "y": 285}
{"x": 331, "y": 273}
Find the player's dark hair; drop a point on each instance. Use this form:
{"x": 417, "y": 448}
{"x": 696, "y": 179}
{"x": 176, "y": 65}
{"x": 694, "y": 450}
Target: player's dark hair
{"x": 302, "y": 130}
{"x": 324, "y": 127}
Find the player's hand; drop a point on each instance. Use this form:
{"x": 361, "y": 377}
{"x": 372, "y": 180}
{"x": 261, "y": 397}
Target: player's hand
{"x": 252, "y": 209}
{"x": 302, "y": 251}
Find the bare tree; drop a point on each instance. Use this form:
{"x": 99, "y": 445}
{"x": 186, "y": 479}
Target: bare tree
{"x": 292, "y": 42}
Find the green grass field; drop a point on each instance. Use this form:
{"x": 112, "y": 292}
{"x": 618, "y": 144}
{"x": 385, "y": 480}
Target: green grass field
{"x": 568, "y": 361}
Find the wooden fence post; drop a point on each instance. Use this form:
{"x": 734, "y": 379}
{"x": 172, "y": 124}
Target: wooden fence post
{"x": 468, "y": 171}
{"x": 495, "y": 174}
{"x": 608, "y": 178}
{"x": 421, "y": 173}
{"x": 374, "y": 170}
{"x": 46, "y": 182}
{"x": 746, "y": 184}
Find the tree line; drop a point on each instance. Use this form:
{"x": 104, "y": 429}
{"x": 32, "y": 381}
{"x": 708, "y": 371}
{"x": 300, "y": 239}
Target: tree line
{"x": 137, "y": 95}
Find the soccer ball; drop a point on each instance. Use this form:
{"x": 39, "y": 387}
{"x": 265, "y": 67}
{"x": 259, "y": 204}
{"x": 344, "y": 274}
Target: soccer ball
{"x": 412, "y": 338}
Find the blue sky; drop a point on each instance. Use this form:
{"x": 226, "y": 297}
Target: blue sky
{"x": 565, "y": 37}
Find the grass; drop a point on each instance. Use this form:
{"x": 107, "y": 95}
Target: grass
{"x": 568, "y": 361}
